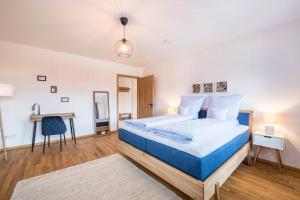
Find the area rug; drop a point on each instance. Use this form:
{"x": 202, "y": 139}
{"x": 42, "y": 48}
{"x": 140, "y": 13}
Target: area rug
{"x": 110, "y": 178}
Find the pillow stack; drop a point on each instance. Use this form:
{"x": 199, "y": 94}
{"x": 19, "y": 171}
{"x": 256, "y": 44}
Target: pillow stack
{"x": 224, "y": 107}
{"x": 219, "y": 107}
{"x": 191, "y": 105}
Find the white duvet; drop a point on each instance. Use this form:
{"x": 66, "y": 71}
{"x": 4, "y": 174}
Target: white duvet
{"x": 193, "y": 128}
{"x": 150, "y": 122}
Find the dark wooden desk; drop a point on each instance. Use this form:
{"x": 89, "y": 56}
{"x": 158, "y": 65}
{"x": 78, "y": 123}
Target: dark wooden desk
{"x": 37, "y": 118}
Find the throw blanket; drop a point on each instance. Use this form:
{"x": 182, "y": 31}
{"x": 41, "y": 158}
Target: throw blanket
{"x": 187, "y": 130}
{"x": 147, "y": 123}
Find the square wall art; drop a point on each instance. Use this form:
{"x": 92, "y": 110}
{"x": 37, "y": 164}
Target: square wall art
{"x": 222, "y": 86}
{"x": 208, "y": 87}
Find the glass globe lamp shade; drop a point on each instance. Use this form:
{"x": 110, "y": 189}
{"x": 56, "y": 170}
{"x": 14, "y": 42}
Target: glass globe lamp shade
{"x": 124, "y": 48}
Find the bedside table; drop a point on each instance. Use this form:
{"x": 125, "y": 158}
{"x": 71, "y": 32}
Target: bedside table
{"x": 275, "y": 142}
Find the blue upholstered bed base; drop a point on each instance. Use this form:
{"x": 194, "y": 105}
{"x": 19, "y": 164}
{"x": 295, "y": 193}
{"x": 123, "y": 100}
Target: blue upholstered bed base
{"x": 200, "y": 168}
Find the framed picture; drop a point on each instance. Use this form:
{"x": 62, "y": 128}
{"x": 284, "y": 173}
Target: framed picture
{"x": 196, "y": 88}
{"x": 64, "y": 99}
{"x": 208, "y": 87}
{"x": 41, "y": 78}
{"x": 222, "y": 86}
{"x": 53, "y": 89}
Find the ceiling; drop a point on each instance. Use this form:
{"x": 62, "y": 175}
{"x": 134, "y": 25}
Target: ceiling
{"x": 156, "y": 28}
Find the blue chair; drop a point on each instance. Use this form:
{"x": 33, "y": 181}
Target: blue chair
{"x": 53, "y": 125}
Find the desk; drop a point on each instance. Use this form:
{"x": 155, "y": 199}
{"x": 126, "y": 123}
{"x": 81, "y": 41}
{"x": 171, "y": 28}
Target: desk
{"x": 37, "y": 118}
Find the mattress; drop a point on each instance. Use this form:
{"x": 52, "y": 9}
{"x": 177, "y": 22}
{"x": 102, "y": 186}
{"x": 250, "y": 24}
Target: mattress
{"x": 202, "y": 144}
{"x": 198, "y": 167}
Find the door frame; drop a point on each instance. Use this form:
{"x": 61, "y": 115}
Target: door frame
{"x": 127, "y": 76}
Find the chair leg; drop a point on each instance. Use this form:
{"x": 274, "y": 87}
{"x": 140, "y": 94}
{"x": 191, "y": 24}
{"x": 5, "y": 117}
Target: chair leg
{"x": 48, "y": 140}
{"x": 60, "y": 143}
{"x": 65, "y": 140}
{"x": 44, "y": 145}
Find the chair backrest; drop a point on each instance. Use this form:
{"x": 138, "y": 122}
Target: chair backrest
{"x": 53, "y": 125}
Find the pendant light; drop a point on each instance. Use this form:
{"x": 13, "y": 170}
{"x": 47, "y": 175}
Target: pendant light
{"x": 123, "y": 46}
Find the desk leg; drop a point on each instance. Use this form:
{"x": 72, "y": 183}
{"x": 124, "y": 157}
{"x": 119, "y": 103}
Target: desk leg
{"x": 71, "y": 128}
{"x": 72, "y": 122}
{"x": 33, "y": 135}
{"x": 279, "y": 160}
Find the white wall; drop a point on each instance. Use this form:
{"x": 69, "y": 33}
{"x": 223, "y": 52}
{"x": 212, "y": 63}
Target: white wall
{"x": 264, "y": 67}
{"x": 75, "y": 76}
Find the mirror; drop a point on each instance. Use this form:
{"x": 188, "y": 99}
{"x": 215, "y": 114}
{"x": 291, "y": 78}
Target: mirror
{"x": 101, "y": 112}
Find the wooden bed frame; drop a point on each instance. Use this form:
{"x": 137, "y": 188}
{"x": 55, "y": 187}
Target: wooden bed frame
{"x": 189, "y": 185}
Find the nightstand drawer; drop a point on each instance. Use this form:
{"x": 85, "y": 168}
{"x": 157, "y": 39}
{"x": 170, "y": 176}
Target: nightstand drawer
{"x": 268, "y": 141}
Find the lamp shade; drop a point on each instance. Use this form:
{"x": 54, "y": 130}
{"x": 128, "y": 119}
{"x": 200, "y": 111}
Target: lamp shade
{"x": 124, "y": 48}
{"x": 172, "y": 110}
{"x": 269, "y": 118}
{"x": 6, "y": 90}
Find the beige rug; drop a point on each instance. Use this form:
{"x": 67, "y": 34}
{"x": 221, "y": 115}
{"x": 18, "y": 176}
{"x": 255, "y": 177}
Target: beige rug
{"x": 110, "y": 178}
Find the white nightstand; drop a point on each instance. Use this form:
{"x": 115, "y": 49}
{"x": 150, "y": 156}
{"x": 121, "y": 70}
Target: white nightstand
{"x": 275, "y": 141}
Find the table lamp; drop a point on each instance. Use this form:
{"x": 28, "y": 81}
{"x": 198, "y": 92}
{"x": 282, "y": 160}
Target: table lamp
{"x": 5, "y": 91}
{"x": 270, "y": 120}
{"x": 172, "y": 110}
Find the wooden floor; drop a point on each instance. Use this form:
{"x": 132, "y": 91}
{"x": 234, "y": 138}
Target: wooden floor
{"x": 259, "y": 182}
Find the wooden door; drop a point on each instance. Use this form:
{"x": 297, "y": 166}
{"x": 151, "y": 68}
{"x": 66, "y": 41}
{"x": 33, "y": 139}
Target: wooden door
{"x": 146, "y": 96}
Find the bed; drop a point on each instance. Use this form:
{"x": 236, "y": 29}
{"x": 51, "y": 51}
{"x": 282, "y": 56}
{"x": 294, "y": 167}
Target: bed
{"x": 199, "y": 178}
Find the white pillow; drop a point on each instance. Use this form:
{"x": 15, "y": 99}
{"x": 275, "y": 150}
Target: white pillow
{"x": 194, "y": 103}
{"x": 232, "y": 103}
{"x": 217, "y": 113}
{"x": 183, "y": 110}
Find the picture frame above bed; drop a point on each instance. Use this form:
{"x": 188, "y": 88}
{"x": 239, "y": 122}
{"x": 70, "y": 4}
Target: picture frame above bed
{"x": 221, "y": 86}
{"x": 196, "y": 88}
{"x": 208, "y": 87}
